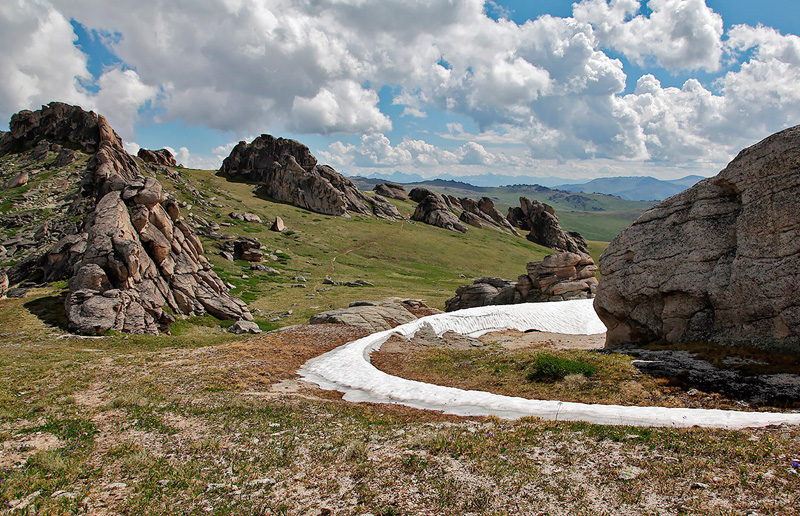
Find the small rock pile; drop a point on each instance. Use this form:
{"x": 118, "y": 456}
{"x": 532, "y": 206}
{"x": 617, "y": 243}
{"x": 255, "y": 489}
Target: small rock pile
{"x": 559, "y": 277}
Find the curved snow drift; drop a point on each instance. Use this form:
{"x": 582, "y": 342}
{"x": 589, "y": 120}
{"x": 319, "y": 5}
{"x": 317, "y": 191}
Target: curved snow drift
{"x": 348, "y": 369}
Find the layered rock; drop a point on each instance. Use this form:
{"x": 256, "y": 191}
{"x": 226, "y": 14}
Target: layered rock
{"x": 134, "y": 255}
{"x": 559, "y": 277}
{"x": 718, "y": 262}
{"x": 541, "y": 222}
{"x": 454, "y": 213}
{"x": 161, "y": 157}
{"x": 285, "y": 170}
{"x": 391, "y": 190}
{"x": 434, "y": 210}
{"x": 482, "y": 213}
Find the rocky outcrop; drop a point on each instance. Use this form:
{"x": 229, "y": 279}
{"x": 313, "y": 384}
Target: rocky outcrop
{"x": 374, "y": 316}
{"x": 559, "y": 277}
{"x": 541, "y": 222}
{"x": 718, "y": 262}
{"x": 391, "y": 190}
{"x": 482, "y": 213}
{"x": 134, "y": 256}
{"x": 161, "y": 157}
{"x": 56, "y": 122}
{"x": 3, "y": 284}
{"x": 285, "y": 170}
{"x": 433, "y": 209}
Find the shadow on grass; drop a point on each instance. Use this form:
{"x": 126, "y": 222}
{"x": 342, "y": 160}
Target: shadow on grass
{"x": 50, "y": 310}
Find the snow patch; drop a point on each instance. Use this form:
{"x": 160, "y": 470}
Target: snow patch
{"x": 348, "y": 369}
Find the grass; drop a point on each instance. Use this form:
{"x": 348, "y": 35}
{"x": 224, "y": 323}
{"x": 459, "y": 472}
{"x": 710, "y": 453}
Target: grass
{"x": 546, "y": 367}
{"x": 187, "y": 424}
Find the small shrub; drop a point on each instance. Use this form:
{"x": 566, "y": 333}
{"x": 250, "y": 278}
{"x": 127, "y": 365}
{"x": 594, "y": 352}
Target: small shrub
{"x": 550, "y": 368}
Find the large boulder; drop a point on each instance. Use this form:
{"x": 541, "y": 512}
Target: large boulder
{"x": 719, "y": 262}
{"x": 391, "y": 190}
{"x": 559, "y": 277}
{"x": 371, "y": 316}
{"x": 286, "y": 170}
{"x": 541, "y": 222}
{"x": 134, "y": 261}
{"x": 433, "y": 209}
{"x": 161, "y": 157}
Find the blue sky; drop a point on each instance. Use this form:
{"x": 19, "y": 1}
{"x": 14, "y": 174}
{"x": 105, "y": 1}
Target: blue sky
{"x": 530, "y": 89}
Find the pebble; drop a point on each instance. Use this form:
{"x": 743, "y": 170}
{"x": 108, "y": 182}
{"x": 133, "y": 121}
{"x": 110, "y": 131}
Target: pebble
{"x": 117, "y": 485}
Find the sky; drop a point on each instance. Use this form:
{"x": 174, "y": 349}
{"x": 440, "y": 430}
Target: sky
{"x": 438, "y": 88}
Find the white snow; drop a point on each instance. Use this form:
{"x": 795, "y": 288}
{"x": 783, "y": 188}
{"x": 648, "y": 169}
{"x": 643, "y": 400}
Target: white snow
{"x": 348, "y": 369}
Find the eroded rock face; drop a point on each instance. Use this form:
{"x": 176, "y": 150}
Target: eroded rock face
{"x": 559, "y": 277}
{"x": 541, "y": 222}
{"x": 718, "y": 262}
{"x": 161, "y": 157}
{"x": 3, "y": 284}
{"x": 391, "y": 190}
{"x": 288, "y": 172}
{"x": 134, "y": 255}
{"x": 434, "y": 210}
{"x": 56, "y": 122}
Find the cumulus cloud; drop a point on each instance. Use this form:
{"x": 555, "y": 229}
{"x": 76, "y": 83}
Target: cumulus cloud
{"x": 678, "y": 34}
{"x": 345, "y": 107}
{"x": 121, "y": 96}
{"x": 39, "y": 60}
{"x": 317, "y": 67}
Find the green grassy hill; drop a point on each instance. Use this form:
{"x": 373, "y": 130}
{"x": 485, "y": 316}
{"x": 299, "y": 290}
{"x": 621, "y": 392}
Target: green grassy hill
{"x": 402, "y": 259}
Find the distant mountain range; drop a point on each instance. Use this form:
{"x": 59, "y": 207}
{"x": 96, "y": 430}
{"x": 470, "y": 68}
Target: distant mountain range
{"x": 634, "y": 188}
{"x": 487, "y": 180}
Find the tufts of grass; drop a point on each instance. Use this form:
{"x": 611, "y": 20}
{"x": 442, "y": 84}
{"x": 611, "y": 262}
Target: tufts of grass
{"x": 551, "y": 368}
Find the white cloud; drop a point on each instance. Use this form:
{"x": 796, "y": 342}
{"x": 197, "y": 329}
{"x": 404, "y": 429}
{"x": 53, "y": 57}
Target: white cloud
{"x": 678, "y": 34}
{"x": 120, "y": 97}
{"x": 40, "y": 64}
{"x": 344, "y": 108}
{"x": 316, "y": 67}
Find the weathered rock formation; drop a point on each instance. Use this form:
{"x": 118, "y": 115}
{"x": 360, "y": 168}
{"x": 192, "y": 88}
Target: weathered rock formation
{"x": 391, "y": 190}
{"x": 719, "y": 262}
{"x": 559, "y": 277}
{"x": 287, "y": 171}
{"x": 482, "y": 213}
{"x": 3, "y": 284}
{"x": 374, "y": 316}
{"x": 161, "y": 157}
{"x": 134, "y": 255}
{"x": 541, "y": 222}
{"x": 434, "y": 210}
